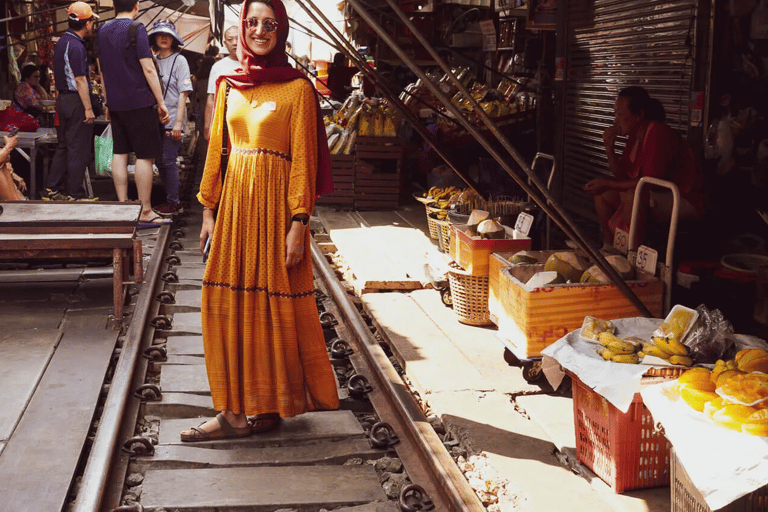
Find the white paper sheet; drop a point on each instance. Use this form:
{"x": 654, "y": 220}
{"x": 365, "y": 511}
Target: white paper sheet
{"x": 617, "y": 382}
{"x": 722, "y": 464}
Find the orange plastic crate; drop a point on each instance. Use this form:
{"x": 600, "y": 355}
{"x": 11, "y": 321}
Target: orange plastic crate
{"x": 621, "y": 448}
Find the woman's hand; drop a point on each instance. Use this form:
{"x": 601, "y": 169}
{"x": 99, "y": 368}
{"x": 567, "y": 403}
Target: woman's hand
{"x": 20, "y": 183}
{"x": 206, "y": 230}
{"x": 176, "y": 132}
{"x": 597, "y": 187}
{"x": 10, "y": 142}
{"x": 609, "y": 136}
{"x": 294, "y": 244}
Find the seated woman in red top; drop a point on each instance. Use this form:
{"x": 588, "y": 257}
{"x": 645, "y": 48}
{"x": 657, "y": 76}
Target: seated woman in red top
{"x": 29, "y": 92}
{"x": 653, "y": 149}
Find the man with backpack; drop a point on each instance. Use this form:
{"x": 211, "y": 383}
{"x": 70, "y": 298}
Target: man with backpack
{"x": 134, "y": 99}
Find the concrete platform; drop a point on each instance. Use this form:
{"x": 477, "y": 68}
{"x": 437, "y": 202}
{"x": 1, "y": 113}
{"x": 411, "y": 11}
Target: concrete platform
{"x": 24, "y": 354}
{"x": 306, "y": 428}
{"x": 185, "y": 324}
{"x": 261, "y": 489}
{"x": 185, "y": 345}
{"x": 190, "y": 457}
{"x": 185, "y": 379}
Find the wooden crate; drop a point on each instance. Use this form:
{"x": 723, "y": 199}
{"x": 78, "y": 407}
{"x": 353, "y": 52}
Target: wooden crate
{"x": 530, "y": 320}
{"x": 474, "y": 254}
{"x": 377, "y": 172}
{"x": 343, "y": 195}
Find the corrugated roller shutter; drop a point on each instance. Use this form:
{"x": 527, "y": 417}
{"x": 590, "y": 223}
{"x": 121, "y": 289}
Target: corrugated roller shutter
{"x": 613, "y": 44}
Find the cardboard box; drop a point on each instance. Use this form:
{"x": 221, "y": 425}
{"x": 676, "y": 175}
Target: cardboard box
{"x": 530, "y": 320}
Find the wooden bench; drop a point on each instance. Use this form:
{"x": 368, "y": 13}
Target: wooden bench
{"x": 32, "y": 230}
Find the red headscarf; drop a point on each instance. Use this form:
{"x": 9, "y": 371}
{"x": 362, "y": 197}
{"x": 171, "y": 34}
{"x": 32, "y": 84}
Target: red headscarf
{"x": 274, "y": 67}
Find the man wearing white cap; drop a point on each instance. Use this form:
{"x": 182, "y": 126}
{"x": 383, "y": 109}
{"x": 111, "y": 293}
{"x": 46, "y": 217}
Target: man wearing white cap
{"x": 75, "y": 130}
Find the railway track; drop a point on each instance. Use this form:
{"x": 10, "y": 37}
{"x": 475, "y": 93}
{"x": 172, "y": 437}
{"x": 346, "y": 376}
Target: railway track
{"x": 377, "y": 452}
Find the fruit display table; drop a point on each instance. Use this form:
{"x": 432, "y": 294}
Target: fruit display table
{"x": 713, "y": 467}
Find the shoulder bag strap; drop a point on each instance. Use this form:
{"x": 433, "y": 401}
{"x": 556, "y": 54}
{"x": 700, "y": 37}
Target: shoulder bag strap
{"x": 224, "y": 139}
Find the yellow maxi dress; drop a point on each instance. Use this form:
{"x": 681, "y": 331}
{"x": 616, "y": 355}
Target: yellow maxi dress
{"x": 264, "y": 347}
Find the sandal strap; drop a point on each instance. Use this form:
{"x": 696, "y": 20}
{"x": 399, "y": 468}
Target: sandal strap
{"x": 226, "y": 427}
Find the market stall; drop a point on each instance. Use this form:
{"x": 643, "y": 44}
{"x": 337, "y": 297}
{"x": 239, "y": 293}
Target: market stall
{"x": 643, "y": 421}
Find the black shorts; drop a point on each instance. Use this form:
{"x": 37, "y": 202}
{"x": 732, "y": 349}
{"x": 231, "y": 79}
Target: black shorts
{"x": 137, "y": 131}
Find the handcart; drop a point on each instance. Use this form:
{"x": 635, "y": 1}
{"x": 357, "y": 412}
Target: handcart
{"x": 439, "y": 281}
{"x": 573, "y": 303}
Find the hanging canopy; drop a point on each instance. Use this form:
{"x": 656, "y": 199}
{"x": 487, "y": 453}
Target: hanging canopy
{"x": 193, "y": 29}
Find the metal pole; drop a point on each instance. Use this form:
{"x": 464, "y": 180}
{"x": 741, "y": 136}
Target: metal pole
{"x": 557, "y": 214}
{"x": 100, "y": 457}
{"x": 381, "y": 83}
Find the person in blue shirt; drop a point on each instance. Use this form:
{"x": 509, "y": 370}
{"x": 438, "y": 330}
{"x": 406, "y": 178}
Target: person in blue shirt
{"x": 75, "y": 129}
{"x": 135, "y": 105}
{"x": 177, "y": 84}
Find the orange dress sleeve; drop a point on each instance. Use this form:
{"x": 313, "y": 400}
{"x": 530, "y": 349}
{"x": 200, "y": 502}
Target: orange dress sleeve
{"x": 303, "y": 130}
{"x": 210, "y": 184}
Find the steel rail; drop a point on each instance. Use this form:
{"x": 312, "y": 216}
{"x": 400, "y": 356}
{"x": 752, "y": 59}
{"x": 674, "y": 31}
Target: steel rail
{"x": 95, "y": 475}
{"x": 380, "y": 82}
{"x": 448, "y": 488}
{"x": 547, "y": 203}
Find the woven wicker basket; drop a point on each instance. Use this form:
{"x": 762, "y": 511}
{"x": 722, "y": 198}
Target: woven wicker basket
{"x": 469, "y": 295}
{"x": 434, "y": 229}
{"x": 443, "y": 235}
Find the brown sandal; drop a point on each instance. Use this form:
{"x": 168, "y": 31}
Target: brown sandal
{"x": 265, "y": 423}
{"x": 227, "y": 431}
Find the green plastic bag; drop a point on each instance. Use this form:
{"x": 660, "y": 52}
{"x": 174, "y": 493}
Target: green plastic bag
{"x": 102, "y": 145}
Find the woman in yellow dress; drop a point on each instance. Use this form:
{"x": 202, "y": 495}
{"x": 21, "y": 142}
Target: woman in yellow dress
{"x": 264, "y": 346}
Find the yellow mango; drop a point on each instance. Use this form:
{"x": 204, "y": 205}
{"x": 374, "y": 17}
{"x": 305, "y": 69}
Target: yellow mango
{"x": 733, "y": 416}
{"x": 727, "y": 374}
{"x": 759, "y": 416}
{"x": 697, "y": 398}
{"x": 696, "y": 374}
{"x": 756, "y": 429}
{"x": 702, "y": 385}
{"x": 711, "y": 407}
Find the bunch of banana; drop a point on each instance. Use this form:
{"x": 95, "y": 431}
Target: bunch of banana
{"x": 618, "y": 350}
{"x": 438, "y": 193}
{"x": 442, "y": 214}
{"x": 669, "y": 349}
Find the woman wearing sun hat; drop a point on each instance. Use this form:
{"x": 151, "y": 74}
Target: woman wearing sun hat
{"x": 175, "y": 77}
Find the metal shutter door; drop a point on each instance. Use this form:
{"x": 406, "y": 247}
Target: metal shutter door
{"x": 613, "y": 44}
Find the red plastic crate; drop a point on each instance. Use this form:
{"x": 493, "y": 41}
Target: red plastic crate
{"x": 621, "y": 448}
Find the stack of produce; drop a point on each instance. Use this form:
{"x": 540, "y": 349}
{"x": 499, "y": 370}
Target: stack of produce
{"x": 371, "y": 117}
{"x": 666, "y": 342}
{"x": 448, "y": 198}
{"x": 734, "y": 394}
